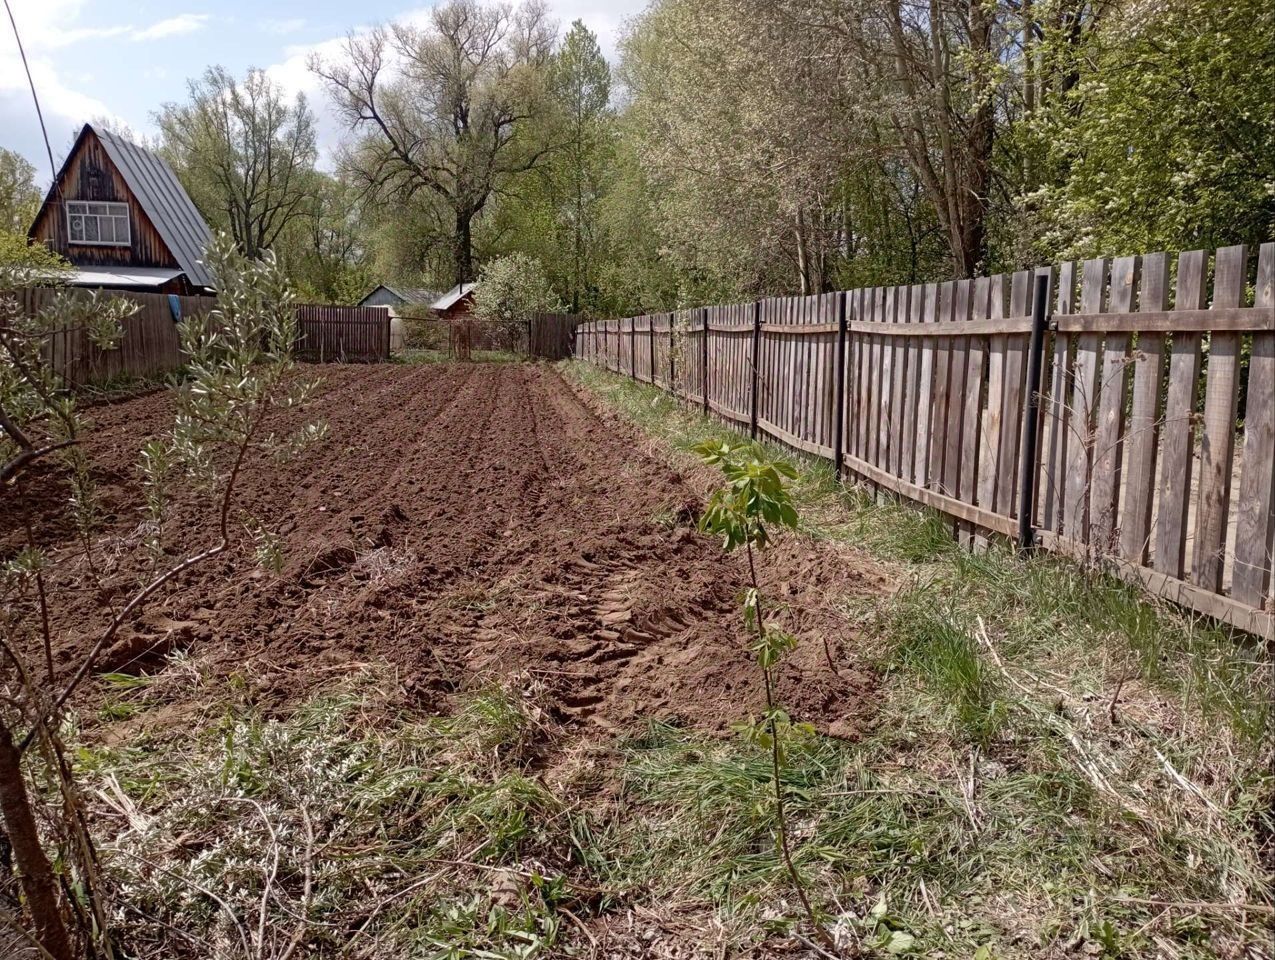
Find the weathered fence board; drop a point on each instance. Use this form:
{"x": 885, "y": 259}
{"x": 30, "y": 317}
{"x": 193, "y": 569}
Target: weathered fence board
{"x": 1179, "y": 424}
{"x": 934, "y": 395}
{"x": 150, "y": 345}
{"x": 1255, "y": 525}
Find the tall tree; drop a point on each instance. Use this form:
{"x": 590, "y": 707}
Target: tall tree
{"x": 458, "y": 116}
{"x": 1161, "y": 132}
{"x": 244, "y": 153}
{"x": 324, "y": 251}
{"x": 581, "y": 83}
{"x": 19, "y": 196}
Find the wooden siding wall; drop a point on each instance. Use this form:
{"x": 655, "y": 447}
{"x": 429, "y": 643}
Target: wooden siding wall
{"x": 1140, "y": 461}
{"x": 90, "y": 175}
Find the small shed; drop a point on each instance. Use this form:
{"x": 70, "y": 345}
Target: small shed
{"x": 456, "y": 303}
{"x": 119, "y": 214}
{"x": 384, "y": 295}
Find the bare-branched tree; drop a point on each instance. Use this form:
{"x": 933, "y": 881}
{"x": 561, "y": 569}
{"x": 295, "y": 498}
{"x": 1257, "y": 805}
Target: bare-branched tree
{"x": 448, "y": 113}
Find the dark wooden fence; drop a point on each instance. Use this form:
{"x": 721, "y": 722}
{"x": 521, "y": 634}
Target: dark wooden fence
{"x": 343, "y": 334}
{"x": 550, "y": 335}
{"x": 150, "y": 346}
{"x": 1148, "y": 441}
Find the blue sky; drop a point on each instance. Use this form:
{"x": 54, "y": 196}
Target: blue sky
{"x": 122, "y": 60}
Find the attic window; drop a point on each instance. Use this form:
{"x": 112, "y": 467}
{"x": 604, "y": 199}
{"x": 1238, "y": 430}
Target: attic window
{"x": 98, "y": 224}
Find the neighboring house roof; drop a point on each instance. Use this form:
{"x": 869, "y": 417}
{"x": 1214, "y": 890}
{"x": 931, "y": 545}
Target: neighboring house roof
{"x": 456, "y": 293}
{"x": 166, "y": 203}
{"x": 418, "y": 294}
{"x": 413, "y": 295}
{"x": 135, "y": 278}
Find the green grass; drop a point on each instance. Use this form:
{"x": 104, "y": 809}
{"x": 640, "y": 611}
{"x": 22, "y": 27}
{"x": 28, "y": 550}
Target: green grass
{"x": 1052, "y": 750}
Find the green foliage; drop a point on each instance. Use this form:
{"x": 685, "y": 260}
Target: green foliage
{"x": 27, "y": 263}
{"x": 1166, "y": 140}
{"x": 19, "y": 196}
{"x": 239, "y": 361}
{"x": 511, "y": 289}
{"x": 755, "y": 494}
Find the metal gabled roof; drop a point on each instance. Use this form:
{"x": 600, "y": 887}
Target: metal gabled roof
{"x": 452, "y": 295}
{"x": 408, "y": 295}
{"x": 166, "y": 203}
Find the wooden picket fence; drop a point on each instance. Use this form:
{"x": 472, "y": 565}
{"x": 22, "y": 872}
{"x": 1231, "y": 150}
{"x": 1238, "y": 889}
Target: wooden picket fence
{"x": 343, "y": 334}
{"x": 150, "y": 346}
{"x": 1147, "y": 443}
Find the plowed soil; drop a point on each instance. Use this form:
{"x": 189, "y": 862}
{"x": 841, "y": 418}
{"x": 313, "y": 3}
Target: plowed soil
{"x": 463, "y": 524}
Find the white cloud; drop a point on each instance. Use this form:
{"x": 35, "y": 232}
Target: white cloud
{"x": 172, "y": 27}
{"x": 283, "y": 27}
{"x": 46, "y": 26}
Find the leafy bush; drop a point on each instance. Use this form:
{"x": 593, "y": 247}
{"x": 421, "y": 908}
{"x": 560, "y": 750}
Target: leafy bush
{"x": 512, "y": 289}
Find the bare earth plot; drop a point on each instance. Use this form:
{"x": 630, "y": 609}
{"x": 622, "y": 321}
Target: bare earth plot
{"x": 446, "y": 710}
{"x": 464, "y": 523}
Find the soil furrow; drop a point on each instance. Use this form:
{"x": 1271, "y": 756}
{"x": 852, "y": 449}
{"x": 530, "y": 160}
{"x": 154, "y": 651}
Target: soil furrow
{"x": 472, "y": 523}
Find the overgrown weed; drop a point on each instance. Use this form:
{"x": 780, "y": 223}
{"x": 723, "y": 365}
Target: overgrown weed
{"x": 320, "y": 828}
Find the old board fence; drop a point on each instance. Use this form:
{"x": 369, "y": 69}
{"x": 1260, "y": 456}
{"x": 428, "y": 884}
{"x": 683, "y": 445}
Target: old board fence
{"x": 151, "y": 344}
{"x": 343, "y": 334}
{"x": 1116, "y": 410}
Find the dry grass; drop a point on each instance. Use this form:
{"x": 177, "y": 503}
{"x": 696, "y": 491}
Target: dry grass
{"x": 1057, "y": 770}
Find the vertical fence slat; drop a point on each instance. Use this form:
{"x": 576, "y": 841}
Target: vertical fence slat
{"x": 1217, "y": 445}
{"x": 1144, "y": 417}
{"x": 925, "y": 396}
{"x": 1113, "y": 393}
{"x": 942, "y": 368}
{"x": 1255, "y": 523}
{"x": 1083, "y": 395}
{"x": 1178, "y": 449}
{"x": 912, "y": 387}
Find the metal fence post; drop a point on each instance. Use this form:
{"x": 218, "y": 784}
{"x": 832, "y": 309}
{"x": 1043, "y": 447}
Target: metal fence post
{"x": 839, "y": 403}
{"x": 752, "y": 416}
{"x": 1027, "y": 466}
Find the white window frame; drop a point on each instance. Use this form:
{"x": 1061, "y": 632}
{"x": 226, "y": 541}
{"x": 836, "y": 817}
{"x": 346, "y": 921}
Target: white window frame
{"x": 115, "y": 211}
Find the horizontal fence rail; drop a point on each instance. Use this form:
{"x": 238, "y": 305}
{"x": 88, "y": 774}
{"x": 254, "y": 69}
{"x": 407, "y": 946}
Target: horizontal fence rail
{"x": 1152, "y": 441}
